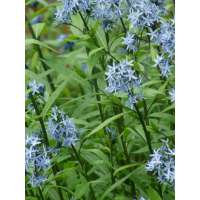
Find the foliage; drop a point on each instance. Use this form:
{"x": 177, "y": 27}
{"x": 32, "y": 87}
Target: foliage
{"x": 100, "y": 100}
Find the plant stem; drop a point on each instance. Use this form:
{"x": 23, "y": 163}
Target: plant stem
{"x": 123, "y": 25}
{"x": 40, "y": 193}
{"x": 147, "y": 134}
{"x": 45, "y": 137}
{"x": 40, "y": 54}
{"x": 84, "y": 22}
{"x": 98, "y": 97}
{"x": 83, "y": 171}
{"x": 120, "y": 126}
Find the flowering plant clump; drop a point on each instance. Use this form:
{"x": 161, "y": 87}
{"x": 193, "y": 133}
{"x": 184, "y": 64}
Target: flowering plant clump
{"x": 100, "y": 100}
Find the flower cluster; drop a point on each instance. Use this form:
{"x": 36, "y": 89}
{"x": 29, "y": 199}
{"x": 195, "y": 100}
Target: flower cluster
{"x": 163, "y": 65}
{"x": 107, "y": 11}
{"x": 143, "y": 13}
{"x": 37, "y": 160}
{"x": 164, "y": 36}
{"x": 68, "y": 7}
{"x": 162, "y": 164}
{"x": 62, "y": 128}
{"x": 122, "y": 78}
{"x": 36, "y": 92}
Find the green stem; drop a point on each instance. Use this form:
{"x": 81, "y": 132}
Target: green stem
{"x": 123, "y": 25}
{"x": 84, "y": 22}
{"x": 98, "y": 98}
{"x": 45, "y": 137}
{"x": 120, "y": 126}
{"x": 147, "y": 134}
{"x": 40, "y": 193}
{"x": 40, "y": 54}
{"x": 83, "y": 171}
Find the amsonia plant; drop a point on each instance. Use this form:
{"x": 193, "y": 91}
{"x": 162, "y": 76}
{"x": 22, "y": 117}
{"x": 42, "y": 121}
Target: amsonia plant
{"x": 100, "y": 100}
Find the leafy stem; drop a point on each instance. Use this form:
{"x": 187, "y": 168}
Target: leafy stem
{"x": 41, "y": 56}
{"x": 84, "y": 172}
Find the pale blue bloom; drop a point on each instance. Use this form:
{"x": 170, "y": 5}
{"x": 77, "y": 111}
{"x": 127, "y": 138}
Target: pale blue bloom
{"x": 142, "y": 198}
{"x": 172, "y": 95}
{"x": 164, "y": 36}
{"x": 162, "y": 164}
{"x": 158, "y": 60}
{"x": 163, "y": 65}
{"x": 62, "y": 128}
{"x": 143, "y": 13}
{"x": 33, "y": 140}
{"x": 36, "y": 160}
{"x": 36, "y": 88}
{"x": 69, "y": 7}
{"x": 165, "y": 68}
{"x": 37, "y": 180}
{"x": 120, "y": 77}
{"x": 131, "y": 42}
{"x": 107, "y": 11}
{"x": 132, "y": 100}
{"x": 111, "y": 132}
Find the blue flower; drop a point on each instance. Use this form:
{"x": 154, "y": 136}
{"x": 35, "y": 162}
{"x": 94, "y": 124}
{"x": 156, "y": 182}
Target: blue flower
{"x": 33, "y": 140}
{"x": 131, "y": 42}
{"x": 120, "y": 77}
{"x": 163, "y": 65}
{"x": 172, "y": 95}
{"x": 143, "y": 13}
{"x": 36, "y": 88}
{"x": 111, "y": 133}
{"x": 68, "y": 45}
{"x": 42, "y": 162}
{"x": 132, "y": 100}
{"x": 36, "y": 160}
{"x": 69, "y": 7}
{"x": 107, "y": 11}
{"x": 37, "y": 19}
{"x": 37, "y": 180}
{"x": 162, "y": 164}
{"x": 62, "y": 128}
{"x": 164, "y": 36}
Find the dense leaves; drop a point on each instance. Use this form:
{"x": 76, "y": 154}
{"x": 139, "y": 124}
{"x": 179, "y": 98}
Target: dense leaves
{"x": 100, "y": 100}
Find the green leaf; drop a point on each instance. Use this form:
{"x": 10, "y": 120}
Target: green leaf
{"x": 31, "y": 41}
{"x": 38, "y": 28}
{"x": 153, "y": 195}
{"x": 81, "y": 189}
{"x": 118, "y": 183}
{"x": 94, "y": 51}
{"x": 53, "y": 98}
{"x": 105, "y": 123}
{"x": 125, "y": 167}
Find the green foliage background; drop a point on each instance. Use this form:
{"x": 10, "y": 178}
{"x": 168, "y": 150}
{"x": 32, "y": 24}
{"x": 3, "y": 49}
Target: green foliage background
{"x": 81, "y": 95}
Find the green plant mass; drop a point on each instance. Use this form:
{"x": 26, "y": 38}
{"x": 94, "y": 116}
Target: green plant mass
{"x": 100, "y": 100}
